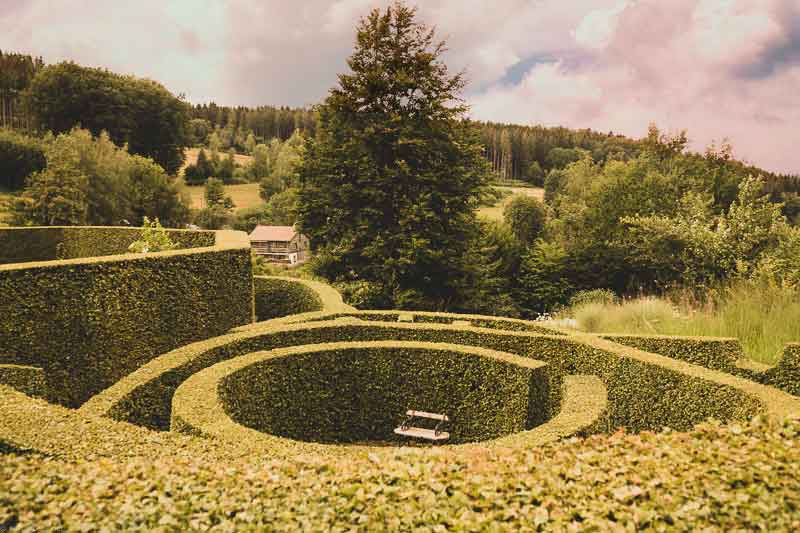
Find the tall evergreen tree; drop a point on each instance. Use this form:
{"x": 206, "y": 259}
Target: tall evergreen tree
{"x": 391, "y": 179}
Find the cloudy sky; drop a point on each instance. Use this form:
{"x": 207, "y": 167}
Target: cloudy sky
{"x": 719, "y": 68}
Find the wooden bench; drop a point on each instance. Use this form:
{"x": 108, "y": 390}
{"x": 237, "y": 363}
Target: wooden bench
{"x": 435, "y": 434}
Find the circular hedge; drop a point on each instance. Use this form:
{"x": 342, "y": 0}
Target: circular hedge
{"x": 359, "y": 391}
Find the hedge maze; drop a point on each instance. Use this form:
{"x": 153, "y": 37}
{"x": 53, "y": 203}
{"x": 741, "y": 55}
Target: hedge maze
{"x": 154, "y": 363}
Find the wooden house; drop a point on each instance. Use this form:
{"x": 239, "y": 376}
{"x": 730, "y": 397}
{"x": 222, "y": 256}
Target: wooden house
{"x": 279, "y": 244}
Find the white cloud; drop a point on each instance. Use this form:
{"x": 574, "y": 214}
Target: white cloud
{"x": 717, "y": 67}
{"x": 597, "y": 28}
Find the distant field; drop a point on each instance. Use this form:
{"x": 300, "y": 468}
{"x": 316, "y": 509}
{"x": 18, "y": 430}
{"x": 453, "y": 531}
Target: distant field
{"x": 496, "y": 211}
{"x": 243, "y": 196}
{"x": 191, "y": 157}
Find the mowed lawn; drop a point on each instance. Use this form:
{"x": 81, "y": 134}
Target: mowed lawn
{"x": 496, "y": 211}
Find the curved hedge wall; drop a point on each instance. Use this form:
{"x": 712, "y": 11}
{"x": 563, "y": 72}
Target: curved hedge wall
{"x": 88, "y": 322}
{"x": 277, "y": 297}
{"x": 356, "y": 392}
{"x": 430, "y": 317}
{"x": 645, "y": 391}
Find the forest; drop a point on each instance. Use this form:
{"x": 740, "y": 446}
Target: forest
{"x": 610, "y": 201}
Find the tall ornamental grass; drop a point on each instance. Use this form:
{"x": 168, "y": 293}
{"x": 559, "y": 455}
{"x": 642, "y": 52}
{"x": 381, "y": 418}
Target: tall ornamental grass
{"x": 763, "y": 317}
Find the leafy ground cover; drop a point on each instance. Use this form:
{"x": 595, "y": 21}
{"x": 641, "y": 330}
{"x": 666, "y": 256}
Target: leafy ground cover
{"x": 721, "y": 477}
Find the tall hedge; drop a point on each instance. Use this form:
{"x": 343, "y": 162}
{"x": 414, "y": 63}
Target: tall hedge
{"x": 89, "y": 322}
{"x": 20, "y": 156}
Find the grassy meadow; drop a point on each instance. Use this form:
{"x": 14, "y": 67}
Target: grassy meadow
{"x": 495, "y": 212}
{"x": 243, "y": 195}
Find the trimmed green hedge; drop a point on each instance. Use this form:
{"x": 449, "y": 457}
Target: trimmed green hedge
{"x": 645, "y": 391}
{"x": 786, "y": 374}
{"x": 723, "y": 354}
{"x": 709, "y": 352}
{"x": 429, "y": 317}
{"x": 356, "y": 392}
{"x": 28, "y": 379}
{"x": 89, "y": 322}
{"x": 49, "y": 243}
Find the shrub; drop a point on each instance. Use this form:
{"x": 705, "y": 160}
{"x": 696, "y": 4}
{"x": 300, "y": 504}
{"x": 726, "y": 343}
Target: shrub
{"x": 526, "y": 216}
{"x": 153, "y": 238}
{"x": 365, "y": 294}
{"x": 20, "y": 156}
{"x": 542, "y": 283}
{"x": 600, "y": 296}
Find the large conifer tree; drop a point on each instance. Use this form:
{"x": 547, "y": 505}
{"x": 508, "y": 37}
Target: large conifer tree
{"x": 390, "y": 181}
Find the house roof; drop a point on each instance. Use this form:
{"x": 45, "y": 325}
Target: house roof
{"x": 273, "y": 233}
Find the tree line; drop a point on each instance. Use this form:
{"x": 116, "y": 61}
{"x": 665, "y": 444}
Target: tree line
{"x": 16, "y": 73}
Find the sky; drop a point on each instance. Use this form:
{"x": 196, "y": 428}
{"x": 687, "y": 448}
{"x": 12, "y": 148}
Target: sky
{"x": 721, "y": 69}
